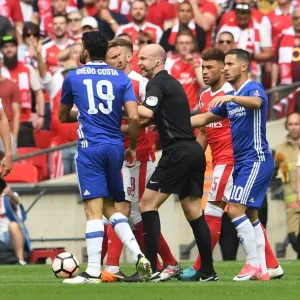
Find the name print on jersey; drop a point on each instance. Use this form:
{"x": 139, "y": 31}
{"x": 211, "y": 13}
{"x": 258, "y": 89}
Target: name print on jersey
{"x": 94, "y": 71}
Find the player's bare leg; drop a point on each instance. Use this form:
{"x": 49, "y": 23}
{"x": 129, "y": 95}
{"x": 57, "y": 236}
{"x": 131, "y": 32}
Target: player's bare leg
{"x": 247, "y": 238}
{"x": 112, "y": 272}
{"x": 94, "y": 237}
{"x": 120, "y": 225}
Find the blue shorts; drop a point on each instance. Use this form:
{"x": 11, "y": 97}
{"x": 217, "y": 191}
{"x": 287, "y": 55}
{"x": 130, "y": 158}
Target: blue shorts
{"x": 99, "y": 171}
{"x": 250, "y": 182}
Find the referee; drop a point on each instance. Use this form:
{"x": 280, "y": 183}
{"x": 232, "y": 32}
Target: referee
{"x": 182, "y": 165}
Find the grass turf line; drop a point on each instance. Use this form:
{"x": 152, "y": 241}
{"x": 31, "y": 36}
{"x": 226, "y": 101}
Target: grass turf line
{"x": 37, "y": 282}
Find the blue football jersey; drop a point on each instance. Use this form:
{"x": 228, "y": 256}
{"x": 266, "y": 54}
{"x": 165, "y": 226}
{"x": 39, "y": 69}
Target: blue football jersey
{"x": 248, "y": 126}
{"x": 99, "y": 93}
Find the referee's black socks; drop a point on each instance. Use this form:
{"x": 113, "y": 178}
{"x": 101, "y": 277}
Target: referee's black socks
{"x": 151, "y": 224}
{"x": 202, "y": 237}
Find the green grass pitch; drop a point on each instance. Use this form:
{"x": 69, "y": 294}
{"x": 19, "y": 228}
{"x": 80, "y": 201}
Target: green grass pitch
{"x": 37, "y": 282}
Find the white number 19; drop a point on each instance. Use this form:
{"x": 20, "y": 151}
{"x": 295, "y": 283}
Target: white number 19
{"x": 109, "y": 96}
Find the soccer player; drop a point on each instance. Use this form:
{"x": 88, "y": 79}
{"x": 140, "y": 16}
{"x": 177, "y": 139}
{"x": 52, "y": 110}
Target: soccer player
{"x": 246, "y": 108}
{"x": 182, "y": 165}
{"x": 99, "y": 92}
{"x": 119, "y": 56}
{"x": 6, "y": 162}
{"x": 218, "y": 136}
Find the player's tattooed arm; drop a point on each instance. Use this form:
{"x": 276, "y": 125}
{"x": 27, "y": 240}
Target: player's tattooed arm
{"x": 202, "y": 120}
{"x": 66, "y": 114}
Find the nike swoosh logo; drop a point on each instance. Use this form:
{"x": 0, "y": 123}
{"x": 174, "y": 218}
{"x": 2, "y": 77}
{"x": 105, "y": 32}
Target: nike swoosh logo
{"x": 242, "y": 276}
{"x": 206, "y": 279}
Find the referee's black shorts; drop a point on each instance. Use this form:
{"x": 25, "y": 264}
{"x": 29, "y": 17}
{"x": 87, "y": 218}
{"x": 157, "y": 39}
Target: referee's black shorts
{"x": 180, "y": 171}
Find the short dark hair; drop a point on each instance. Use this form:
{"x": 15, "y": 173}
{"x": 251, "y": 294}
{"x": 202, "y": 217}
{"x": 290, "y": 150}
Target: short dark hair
{"x": 240, "y": 55}
{"x": 213, "y": 54}
{"x": 60, "y": 16}
{"x": 96, "y": 44}
{"x": 187, "y": 32}
{"x": 32, "y": 28}
{"x": 125, "y": 43}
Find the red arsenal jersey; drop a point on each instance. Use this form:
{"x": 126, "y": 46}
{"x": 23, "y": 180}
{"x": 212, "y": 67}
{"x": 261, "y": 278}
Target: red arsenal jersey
{"x": 143, "y": 149}
{"x": 218, "y": 133}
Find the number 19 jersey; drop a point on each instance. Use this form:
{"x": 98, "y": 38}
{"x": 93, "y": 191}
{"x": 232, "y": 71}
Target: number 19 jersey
{"x": 99, "y": 93}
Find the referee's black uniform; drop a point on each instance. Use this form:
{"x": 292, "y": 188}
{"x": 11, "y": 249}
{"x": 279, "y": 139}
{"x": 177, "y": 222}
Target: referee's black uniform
{"x": 180, "y": 170}
{"x": 182, "y": 165}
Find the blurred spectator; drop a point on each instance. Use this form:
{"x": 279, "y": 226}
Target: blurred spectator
{"x": 30, "y": 31}
{"x": 43, "y": 10}
{"x": 185, "y": 66}
{"x": 281, "y": 19}
{"x": 108, "y": 21}
{"x": 205, "y": 15}
{"x": 262, "y": 21}
{"x": 5, "y": 26}
{"x": 286, "y": 159}
{"x": 27, "y": 79}
{"x": 138, "y": 12}
{"x": 225, "y": 41}
{"x": 247, "y": 36}
{"x": 10, "y": 95}
{"x": 59, "y": 7}
{"x": 185, "y": 20}
{"x": 162, "y": 14}
{"x": 59, "y": 43}
{"x": 74, "y": 25}
{"x": 11, "y": 9}
{"x": 61, "y": 162}
{"x": 89, "y": 24}
{"x": 11, "y": 233}
{"x": 286, "y": 61}
{"x": 144, "y": 38}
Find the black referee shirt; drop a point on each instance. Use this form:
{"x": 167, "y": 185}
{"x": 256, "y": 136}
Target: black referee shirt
{"x": 166, "y": 97}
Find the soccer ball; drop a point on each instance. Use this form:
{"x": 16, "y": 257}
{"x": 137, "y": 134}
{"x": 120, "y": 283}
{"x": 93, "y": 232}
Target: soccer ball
{"x": 65, "y": 265}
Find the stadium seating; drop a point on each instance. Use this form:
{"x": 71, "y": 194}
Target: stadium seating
{"x": 23, "y": 173}
{"x": 40, "y": 161}
{"x": 43, "y": 139}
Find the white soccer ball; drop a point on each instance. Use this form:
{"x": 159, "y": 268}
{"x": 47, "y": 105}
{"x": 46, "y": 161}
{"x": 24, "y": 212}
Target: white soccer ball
{"x": 65, "y": 265}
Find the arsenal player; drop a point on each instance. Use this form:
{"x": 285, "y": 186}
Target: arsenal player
{"x": 119, "y": 55}
{"x": 218, "y": 136}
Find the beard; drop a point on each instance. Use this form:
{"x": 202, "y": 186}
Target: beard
{"x": 82, "y": 59}
{"x": 10, "y": 62}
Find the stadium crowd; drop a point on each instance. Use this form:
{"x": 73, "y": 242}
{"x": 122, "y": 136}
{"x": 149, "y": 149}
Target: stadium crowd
{"x": 40, "y": 41}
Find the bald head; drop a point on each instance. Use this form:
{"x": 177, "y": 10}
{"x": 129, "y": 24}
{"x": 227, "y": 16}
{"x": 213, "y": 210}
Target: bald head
{"x": 156, "y": 51}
